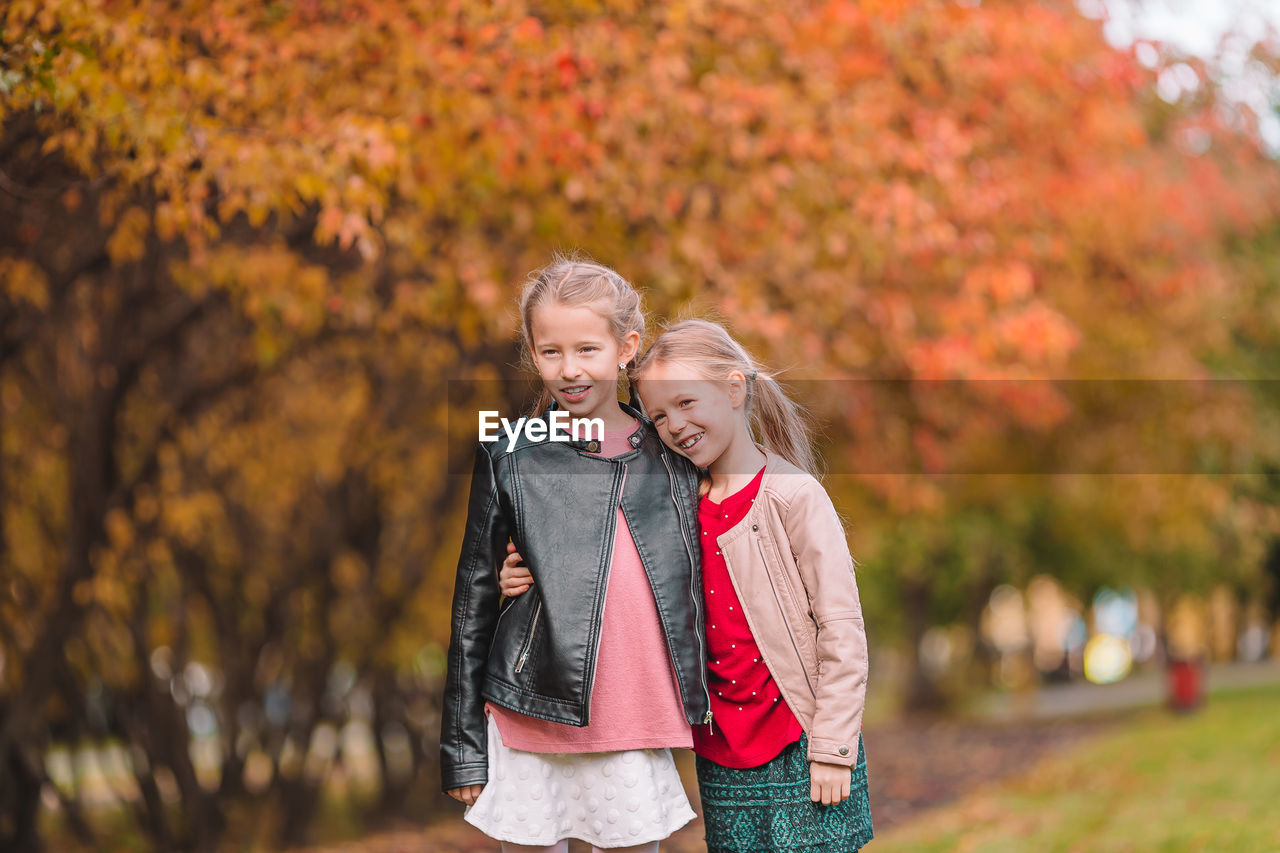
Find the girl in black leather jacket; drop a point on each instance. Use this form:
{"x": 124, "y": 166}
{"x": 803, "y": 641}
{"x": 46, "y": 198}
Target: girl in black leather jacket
{"x": 561, "y": 705}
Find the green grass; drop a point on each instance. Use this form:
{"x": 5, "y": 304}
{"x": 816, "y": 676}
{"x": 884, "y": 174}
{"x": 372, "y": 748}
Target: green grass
{"x": 1163, "y": 783}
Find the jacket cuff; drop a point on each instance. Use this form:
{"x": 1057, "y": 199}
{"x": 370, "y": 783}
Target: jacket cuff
{"x": 844, "y": 752}
{"x": 461, "y": 775}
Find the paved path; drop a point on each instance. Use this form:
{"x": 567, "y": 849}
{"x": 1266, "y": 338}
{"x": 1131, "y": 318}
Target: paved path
{"x": 1143, "y": 689}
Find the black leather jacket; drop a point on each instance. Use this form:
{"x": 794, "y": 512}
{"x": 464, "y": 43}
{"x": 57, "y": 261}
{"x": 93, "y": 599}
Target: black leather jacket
{"x": 537, "y": 655}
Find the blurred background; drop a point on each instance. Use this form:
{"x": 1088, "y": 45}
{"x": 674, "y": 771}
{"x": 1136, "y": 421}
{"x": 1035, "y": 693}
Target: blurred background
{"x": 257, "y": 258}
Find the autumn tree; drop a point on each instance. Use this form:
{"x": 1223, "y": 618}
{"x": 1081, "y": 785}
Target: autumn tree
{"x": 246, "y": 247}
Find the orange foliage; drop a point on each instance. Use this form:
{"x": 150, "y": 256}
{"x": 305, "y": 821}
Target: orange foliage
{"x": 344, "y": 194}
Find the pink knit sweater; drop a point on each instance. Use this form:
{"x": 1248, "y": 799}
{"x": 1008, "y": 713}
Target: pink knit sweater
{"x": 635, "y": 701}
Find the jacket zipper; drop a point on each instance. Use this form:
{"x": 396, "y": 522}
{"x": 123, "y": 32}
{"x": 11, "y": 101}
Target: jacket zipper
{"x": 693, "y": 594}
{"x": 608, "y": 566}
{"x": 528, "y": 644}
{"x": 790, "y": 634}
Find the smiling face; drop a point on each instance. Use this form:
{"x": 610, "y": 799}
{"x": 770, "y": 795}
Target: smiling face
{"x": 577, "y": 357}
{"x": 696, "y": 417}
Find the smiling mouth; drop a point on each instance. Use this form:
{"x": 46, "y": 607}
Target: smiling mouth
{"x": 688, "y": 443}
{"x": 575, "y": 393}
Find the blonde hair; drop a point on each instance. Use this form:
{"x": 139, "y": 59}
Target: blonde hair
{"x": 576, "y": 281}
{"x": 780, "y": 423}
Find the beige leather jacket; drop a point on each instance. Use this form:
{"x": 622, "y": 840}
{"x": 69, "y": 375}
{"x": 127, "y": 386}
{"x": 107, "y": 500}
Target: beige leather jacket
{"x": 791, "y": 568}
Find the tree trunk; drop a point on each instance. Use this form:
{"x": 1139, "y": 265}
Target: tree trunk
{"x": 87, "y": 490}
{"x": 984, "y": 662}
{"x": 20, "y": 799}
{"x": 921, "y": 694}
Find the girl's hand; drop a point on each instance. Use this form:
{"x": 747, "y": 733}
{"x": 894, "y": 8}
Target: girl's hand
{"x": 829, "y": 783}
{"x": 514, "y": 578}
{"x": 467, "y": 794}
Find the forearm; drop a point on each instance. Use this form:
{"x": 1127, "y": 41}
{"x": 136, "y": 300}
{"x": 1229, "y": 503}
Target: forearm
{"x": 841, "y": 691}
{"x": 463, "y": 738}
{"x": 827, "y": 571}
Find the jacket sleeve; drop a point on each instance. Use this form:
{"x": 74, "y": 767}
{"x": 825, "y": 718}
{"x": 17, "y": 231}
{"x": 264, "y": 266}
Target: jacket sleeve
{"x": 463, "y": 734}
{"x": 826, "y": 569}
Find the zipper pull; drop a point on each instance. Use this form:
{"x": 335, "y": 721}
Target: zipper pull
{"x": 528, "y": 644}
{"x": 706, "y": 721}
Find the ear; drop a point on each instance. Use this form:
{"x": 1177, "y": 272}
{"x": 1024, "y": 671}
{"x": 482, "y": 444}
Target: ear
{"x": 630, "y": 346}
{"x": 737, "y": 389}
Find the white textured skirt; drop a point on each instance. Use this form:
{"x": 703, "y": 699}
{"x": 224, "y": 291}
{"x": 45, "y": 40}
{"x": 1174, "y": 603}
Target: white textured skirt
{"x": 609, "y": 799}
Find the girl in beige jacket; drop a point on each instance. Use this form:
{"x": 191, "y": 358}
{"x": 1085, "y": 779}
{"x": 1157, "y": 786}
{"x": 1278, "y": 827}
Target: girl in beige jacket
{"x": 781, "y": 766}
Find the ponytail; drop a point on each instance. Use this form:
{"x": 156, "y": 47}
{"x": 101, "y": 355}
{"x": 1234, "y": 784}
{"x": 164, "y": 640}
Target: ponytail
{"x": 781, "y": 423}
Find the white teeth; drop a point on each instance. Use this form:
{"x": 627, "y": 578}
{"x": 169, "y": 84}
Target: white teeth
{"x": 690, "y": 441}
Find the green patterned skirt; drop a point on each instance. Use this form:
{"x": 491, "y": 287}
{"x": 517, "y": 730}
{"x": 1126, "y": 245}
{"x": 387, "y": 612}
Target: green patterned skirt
{"x": 767, "y": 808}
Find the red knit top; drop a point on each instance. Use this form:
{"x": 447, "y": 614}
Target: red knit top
{"x": 752, "y": 723}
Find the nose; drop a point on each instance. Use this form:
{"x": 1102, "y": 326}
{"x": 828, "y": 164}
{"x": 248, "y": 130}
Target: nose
{"x": 570, "y": 368}
{"x": 676, "y": 423}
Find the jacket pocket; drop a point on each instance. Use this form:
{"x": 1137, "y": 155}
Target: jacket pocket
{"x": 790, "y": 614}
{"x": 785, "y": 568}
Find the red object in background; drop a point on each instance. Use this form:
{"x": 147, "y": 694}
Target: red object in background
{"x": 1186, "y": 684}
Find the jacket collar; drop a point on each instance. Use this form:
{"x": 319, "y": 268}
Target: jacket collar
{"x": 593, "y": 446}
{"x": 779, "y": 476}
{"x": 776, "y": 466}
